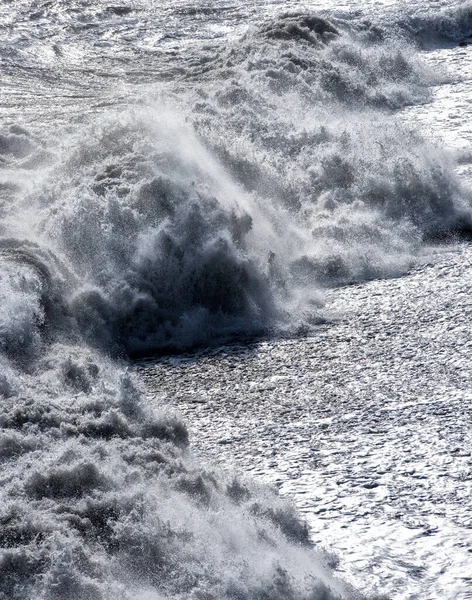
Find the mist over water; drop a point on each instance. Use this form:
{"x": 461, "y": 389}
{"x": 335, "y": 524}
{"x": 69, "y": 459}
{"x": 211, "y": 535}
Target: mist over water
{"x": 213, "y": 200}
{"x": 226, "y": 209}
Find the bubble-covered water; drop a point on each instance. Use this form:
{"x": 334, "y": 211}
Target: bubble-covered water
{"x": 175, "y": 175}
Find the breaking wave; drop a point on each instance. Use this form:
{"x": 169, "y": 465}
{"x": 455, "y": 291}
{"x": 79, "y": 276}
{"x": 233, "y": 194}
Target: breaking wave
{"x": 281, "y": 168}
{"x": 451, "y": 23}
{"x": 269, "y": 172}
{"x": 100, "y": 499}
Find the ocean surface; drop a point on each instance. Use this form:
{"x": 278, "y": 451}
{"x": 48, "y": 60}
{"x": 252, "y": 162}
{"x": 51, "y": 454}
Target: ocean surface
{"x": 235, "y": 257}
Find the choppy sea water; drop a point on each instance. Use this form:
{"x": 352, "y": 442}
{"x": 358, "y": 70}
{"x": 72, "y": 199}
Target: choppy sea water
{"x": 181, "y": 175}
{"x": 365, "y": 425}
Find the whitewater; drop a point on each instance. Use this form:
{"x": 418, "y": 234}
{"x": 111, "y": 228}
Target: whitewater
{"x": 234, "y": 257}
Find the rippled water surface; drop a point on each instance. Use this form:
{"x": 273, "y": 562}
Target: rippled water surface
{"x": 366, "y": 425}
{"x": 288, "y": 185}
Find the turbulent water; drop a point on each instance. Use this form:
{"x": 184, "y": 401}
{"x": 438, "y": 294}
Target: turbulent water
{"x": 174, "y": 175}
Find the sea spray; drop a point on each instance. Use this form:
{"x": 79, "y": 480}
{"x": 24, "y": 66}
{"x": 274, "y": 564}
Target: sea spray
{"x": 449, "y": 23}
{"x": 226, "y": 210}
{"x": 262, "y": 176}
{"x": 101, "y": 499}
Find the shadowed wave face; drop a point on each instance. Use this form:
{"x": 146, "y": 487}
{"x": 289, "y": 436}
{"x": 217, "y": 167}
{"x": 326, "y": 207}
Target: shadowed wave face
{"x": 222, "y": 205}
{"x": 280, "y": 169}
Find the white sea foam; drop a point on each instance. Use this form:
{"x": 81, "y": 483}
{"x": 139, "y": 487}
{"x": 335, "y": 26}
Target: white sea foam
{"x": 227, "y": 209}
{"x": 270, "y": 170}
{"x": 450, "y": 22}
